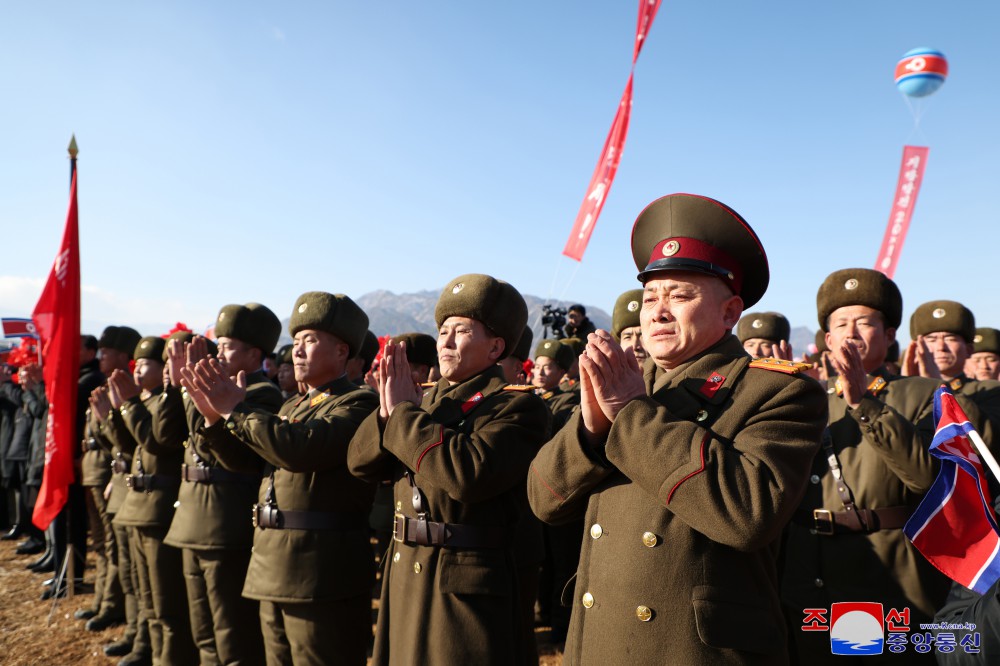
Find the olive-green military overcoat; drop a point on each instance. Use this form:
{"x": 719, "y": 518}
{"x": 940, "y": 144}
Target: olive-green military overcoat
{"x": 305, "y": 446}
{"x": 685, "y": 506}
{"x": 882, "y": 449}
{"x": 468, "y": 447}
{"x": 217, "y": 515}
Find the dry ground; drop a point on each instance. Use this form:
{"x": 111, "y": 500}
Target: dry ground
{"x": 26, "y": 638}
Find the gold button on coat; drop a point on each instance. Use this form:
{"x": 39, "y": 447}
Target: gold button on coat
{"x": 649, "y": 539}
{"x": 416, "y": 567}
{"x": 702, "y": 415}
{"x": 644, "y": 614}
{"x": 395, "y": 558}
{"x": 399, "y": 506}
{"x": 596, "y": 531}
{"x": 588, "y": 600}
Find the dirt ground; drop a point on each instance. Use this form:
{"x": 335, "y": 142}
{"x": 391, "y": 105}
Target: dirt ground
{"x": 27, "y": 638}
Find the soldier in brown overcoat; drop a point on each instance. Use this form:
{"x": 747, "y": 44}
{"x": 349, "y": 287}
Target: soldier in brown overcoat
{"x": 688, "y": 470}
{"x": 458, "y": 456}
{"x": 311, "y": 568}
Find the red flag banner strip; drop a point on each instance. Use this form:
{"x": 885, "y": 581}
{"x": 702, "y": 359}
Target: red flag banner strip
{"x": 57, "y": 319}
{"x": 607, "y": 165}
{"x": 911, "y": 175}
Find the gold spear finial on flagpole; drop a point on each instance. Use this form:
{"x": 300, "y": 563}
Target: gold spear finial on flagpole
{"x": 73, "y": 150}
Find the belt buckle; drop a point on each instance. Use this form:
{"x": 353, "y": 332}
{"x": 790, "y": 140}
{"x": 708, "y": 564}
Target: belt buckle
{"x": 130, "y": 481}
{"x": 398, "y": 520}
{"x": 823, "y": 514}
{"x": 256, "y": 512}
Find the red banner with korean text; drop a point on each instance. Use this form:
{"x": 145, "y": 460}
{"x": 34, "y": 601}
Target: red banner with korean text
{"x": 57, "y": 319}
{"x": 607, "y": 165}
{"x": 911, "y": 175}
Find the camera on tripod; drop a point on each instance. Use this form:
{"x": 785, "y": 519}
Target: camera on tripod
{"x": 553, "y": 319}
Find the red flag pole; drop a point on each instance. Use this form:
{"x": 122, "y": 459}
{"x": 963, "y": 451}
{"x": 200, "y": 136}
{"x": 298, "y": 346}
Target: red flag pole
{"x": 57, "y": 320}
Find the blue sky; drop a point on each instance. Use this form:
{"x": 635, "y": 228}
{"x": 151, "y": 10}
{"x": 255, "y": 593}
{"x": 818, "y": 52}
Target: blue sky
{"x": 251, "y": 151}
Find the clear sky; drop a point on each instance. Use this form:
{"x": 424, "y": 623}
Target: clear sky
{"x": 251, "y": 151}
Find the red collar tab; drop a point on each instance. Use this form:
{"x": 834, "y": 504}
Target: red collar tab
{"x": 712, "y": 385}
{"x": 471, "y": 402}
{"x": 679, "y": 253}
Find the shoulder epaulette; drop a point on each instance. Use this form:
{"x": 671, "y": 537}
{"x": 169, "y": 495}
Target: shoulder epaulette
{"x": 523, "y": 388}
{"x": 779, "y": 365}
{"x": 427, "y": 385}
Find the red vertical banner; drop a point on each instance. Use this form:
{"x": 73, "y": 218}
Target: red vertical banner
{"x": 57, "y": 319}
{"x": 607, "y": 165}
{"x": 911, "y": 175}
{"x": 600, "y": 182}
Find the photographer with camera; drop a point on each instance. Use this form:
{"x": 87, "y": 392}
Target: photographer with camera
{"x": 578, "y": 326}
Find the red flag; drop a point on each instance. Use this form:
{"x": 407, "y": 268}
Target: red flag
{"x": 911, "y": 175}
{"x": 607, "y": 165}
{"x": 57, "y": 319}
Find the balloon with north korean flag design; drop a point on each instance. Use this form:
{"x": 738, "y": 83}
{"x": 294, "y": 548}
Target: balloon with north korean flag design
{"x": 921, "y": 72}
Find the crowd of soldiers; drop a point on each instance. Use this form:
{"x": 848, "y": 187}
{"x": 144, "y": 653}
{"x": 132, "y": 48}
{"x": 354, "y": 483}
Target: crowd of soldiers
{"x": 664, "y": 492}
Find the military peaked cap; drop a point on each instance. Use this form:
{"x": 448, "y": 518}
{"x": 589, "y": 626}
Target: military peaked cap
{"x": 687, "y": 232}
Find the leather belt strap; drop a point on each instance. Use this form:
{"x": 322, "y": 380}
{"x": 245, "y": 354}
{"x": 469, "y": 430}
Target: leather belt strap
{"x": 198, "y": 474}
{"x": 415, "y": 532}
{"x": 856, "y": 521}
{"x": 268, "y": 516}
{"x": 150, "y": 482}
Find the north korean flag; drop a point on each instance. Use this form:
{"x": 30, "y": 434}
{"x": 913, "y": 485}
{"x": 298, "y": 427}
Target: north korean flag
{"x": 955, "y": 527}
{"x": 15, "y": 327}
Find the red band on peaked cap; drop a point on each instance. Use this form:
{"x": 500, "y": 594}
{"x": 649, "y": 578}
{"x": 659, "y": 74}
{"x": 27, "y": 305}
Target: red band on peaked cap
{"x": 695, "y": 255}
{"x": 712, "y": 238}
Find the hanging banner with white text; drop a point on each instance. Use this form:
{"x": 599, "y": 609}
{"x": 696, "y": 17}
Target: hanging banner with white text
{"x": 607, "y": 165}
{"x": 911, "y": 175}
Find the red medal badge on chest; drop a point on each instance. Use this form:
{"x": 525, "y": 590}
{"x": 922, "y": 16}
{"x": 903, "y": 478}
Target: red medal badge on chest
{"x": 471, "y": 402}
{"x": 712, "y": 385}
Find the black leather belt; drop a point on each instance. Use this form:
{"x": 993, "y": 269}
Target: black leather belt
{"x": 854, "y": 521}
{"x": 414, "y": 532}
{"x": 215, "y": 475}
{"x": 150, "y": 482}
{"x": 269, "y": 516}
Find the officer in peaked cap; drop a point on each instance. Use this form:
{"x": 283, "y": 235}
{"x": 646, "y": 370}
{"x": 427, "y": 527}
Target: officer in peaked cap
{"x": 846, "y": 541}
{"x": 985, "y": 357}
{"x": 765, "y": 334}
{"x": 943, "y": 334}
{"x": 458, "y": 455}
{"x": 625, "y": 323}
{"x": 311, "y": 513}
{"x": 687, "y": 470}
{"x": 220, "y": 477}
